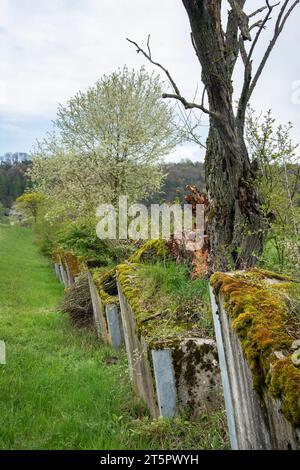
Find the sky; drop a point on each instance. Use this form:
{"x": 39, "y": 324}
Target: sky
{"x": 50, "y": 50}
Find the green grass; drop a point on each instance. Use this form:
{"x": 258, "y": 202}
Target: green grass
{"x": 56, "y": 393}
{"x": 55, "y": 390}
{"x": 169, "y": 286}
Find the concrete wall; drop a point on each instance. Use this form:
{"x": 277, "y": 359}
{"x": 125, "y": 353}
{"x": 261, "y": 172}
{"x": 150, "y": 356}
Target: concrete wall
{"x": 98, "y": 309}
{"x": 170, "y": 380}
{"x": 254, "y": 422}
{"x": 107, "y": 318}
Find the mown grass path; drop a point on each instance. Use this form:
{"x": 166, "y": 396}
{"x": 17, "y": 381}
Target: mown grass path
{"x": 55, "y": 390}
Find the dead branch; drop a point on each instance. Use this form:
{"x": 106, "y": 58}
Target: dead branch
{"x": 259, "y": 10}
{"x": 176, "y": 95}
{"x": 243, "y": 19}
{"x": 281, "y": 20}
{"x": 249, "y": 83}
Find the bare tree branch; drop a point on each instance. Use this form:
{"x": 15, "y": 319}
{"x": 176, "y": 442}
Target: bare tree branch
{"x": 249, "y": 83}
{"x": 258, "y": 24}
{"x": 259, "y": 10}
{"x": 177, "y": 95}
{"x": 262, "y": 26}
{"x": 232, "y": 38}
{"x": 278, "y": 29}
{"x": 243, "y": 19}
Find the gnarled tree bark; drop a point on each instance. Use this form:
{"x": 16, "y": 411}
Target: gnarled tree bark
{"x": 237, "y": 225}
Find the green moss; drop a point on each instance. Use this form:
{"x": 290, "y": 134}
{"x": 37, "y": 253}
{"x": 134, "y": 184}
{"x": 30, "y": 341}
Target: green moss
{"x": 152, "y": 250}
{"x": 106, "y": 284}
{"x": 285, "y": 382}
{"x": 162, "y": 318}
{"x": 264, "y": 323}
{"x": 158, "y": 329}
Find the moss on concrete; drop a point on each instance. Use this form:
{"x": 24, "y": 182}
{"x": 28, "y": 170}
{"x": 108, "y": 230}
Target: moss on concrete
{"x": 151, "y": 250}
{"x": 258, "y": 304}
{"x": 76, "y": 264}
{"x": 106, "y": 284}
{"x": 157, "y": 317}
{"x": 157, "y": 327}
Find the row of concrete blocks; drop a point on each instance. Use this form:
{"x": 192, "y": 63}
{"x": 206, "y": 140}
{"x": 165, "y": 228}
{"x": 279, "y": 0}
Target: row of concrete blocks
{"x": 106, "y": 318}
{"x": 169, "y": 380}
{"x": 64, "y": 274}
{"x": 187, "y": 375}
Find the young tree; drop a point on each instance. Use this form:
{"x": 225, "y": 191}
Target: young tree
{"x": 275, "y": 155}
{"x": 108, "y": 141}
{"x": 237, "y": 224}
{"x": 28, "y": 204}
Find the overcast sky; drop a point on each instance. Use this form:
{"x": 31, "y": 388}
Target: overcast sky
{"x": 51, "y": 49}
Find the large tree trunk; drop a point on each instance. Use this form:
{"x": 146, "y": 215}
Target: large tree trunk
{"x": 236, "y": 224}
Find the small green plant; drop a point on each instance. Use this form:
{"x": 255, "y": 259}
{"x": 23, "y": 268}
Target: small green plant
{"x": 207, "y": 432}
{"x": 168, "y": 287}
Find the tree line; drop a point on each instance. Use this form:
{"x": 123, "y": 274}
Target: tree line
{"x": 13, "y": 182}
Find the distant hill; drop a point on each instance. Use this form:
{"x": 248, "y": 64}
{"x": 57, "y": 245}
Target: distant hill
{"x": 178, "y": 176}
{"x": 13, "y": 181}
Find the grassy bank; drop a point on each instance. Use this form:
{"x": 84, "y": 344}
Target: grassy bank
{"x": 56, "y": 390}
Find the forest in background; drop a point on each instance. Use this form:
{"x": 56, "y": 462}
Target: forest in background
{"x": 13, "y": 181}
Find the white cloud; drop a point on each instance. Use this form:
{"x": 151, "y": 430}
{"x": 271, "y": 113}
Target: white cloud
{"x": 51, "y": 49}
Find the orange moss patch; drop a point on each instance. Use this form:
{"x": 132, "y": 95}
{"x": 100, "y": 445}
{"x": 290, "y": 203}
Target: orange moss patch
{"x": 75, "y": 264}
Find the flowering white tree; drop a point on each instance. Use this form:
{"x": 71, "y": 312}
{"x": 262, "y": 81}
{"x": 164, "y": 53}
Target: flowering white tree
{"x": 107, "y": 141}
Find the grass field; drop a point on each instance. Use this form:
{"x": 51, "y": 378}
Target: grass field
{"x": 55, "y": 390}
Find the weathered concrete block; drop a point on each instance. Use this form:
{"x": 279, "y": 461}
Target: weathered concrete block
{"x": 255, "y": 420}
{"x": 171, "y": 379}
{"x": 138, "y": 358}
{"x": 197, "y": 374}
{"x": 165, "y": 382}
{"x": 98, "y": 310}
{"x": 57, "y": 272}
{"x": 63, "y": 275}
{"x": 114, "y": 325}
{"x": 70, "y": 277}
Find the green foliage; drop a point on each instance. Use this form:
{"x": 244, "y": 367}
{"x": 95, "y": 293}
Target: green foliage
{"x": 28, "y": 204}
{"x": 207, "y": 432}
{"x": 82, "y": 240}
{"x": 166, "y": 302}
{"x": 275, "y": 157}
{"x": 174, "y": 279}
{"x": 168, "y": 286}
{"x": 107, "y": 141}
{"x": 13, "y": 182}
